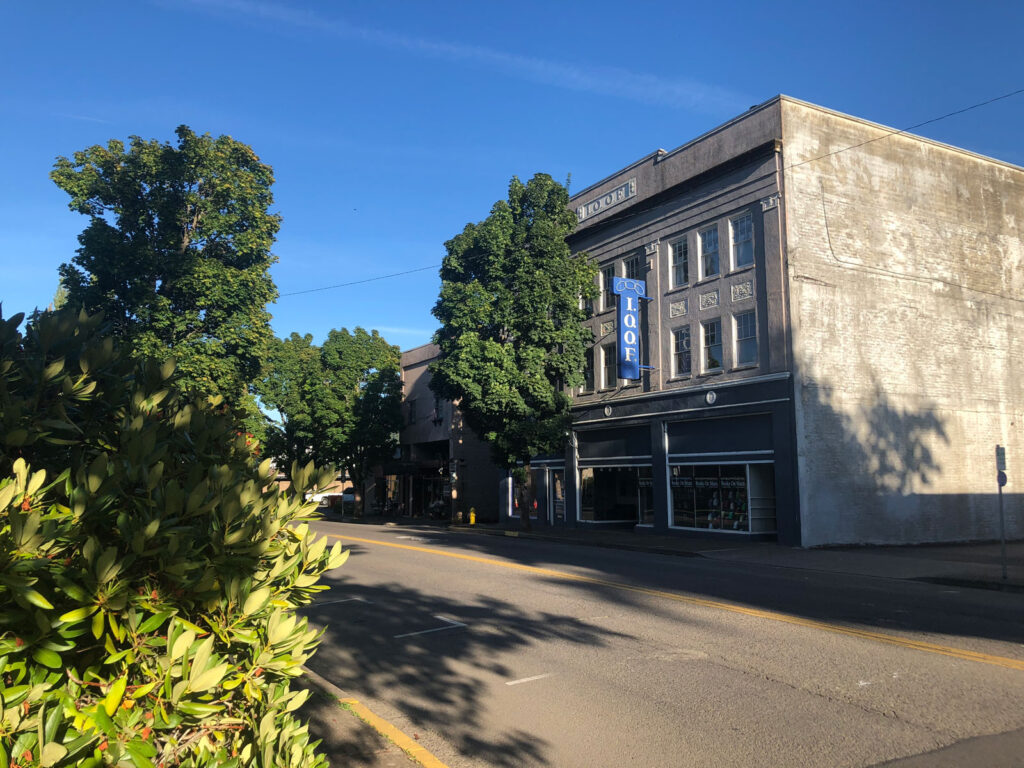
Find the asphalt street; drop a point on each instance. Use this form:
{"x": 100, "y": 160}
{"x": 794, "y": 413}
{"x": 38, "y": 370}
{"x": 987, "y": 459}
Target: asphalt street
{"x": 495, "y": 651}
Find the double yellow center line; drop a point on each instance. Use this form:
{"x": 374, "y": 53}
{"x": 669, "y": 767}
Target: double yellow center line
{"x": 839, "y": 629}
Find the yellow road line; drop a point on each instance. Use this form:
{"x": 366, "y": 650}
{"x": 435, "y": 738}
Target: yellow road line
{"x": 864, "y": 634}
{"x": 382, "y": 726}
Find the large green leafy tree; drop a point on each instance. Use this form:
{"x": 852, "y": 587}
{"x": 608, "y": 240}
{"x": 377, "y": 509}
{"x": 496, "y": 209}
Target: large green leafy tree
{"x": 177, "y": 253}
{"x": 335, "y": 404}
{"x": 293, "y": 388}
{"x": 363, "y": 408}
{"x": 511, "y": 341}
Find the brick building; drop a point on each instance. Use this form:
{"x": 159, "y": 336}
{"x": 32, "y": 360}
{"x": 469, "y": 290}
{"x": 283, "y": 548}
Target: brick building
{"x": 443, "y": 469}
{"x": 831, "y": 347}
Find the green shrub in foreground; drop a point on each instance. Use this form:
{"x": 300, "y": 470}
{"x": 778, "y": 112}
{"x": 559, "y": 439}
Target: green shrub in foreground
{"x": 149, "y": 567}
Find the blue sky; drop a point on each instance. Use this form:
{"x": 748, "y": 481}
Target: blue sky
{"x": 390, "y": 125}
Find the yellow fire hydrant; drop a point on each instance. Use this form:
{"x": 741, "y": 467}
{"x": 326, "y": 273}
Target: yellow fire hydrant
{"x": 472, "y": 515}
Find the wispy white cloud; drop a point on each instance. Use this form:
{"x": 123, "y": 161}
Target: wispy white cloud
{"x": 605, "y": 80}
{"x": 398, "y": 331}
{"x": 84, "y": 118}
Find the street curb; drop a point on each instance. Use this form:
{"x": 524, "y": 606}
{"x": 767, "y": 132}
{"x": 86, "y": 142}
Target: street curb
{"x": 411, "y": 747}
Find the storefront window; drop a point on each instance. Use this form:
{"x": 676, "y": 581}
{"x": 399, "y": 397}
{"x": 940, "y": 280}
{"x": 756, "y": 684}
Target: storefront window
{"x": 734, "y": 497}
{"x": 389, "y": 494}
{"x": 617, "y": 494}
{"x": 717, "y": 496}
{"x": 558, "y": 495}
{"x": 683, "y": 509}
{"x": 707, "y": 496}
{"x": 762, "y": 498}
{"x": 645, "y": 495}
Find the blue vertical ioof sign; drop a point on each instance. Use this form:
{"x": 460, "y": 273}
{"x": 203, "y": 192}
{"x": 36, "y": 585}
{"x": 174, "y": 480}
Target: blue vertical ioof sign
{"x": 629, "y": 292}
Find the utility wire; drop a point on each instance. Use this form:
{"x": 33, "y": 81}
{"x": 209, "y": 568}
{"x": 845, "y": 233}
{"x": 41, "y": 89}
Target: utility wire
{"x": 794, "y": 165}
{"x": 909, "y": 128}
{"x": 359, "y": 282}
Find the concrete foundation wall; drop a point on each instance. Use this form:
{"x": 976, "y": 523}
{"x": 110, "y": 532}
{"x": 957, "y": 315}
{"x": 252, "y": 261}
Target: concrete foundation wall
{"x": 906, "y": 277}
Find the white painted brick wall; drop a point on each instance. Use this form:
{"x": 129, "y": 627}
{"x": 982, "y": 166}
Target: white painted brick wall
{"x": 906, "y": 276}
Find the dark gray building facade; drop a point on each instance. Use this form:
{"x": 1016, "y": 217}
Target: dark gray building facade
{"x": 786, "y": 392}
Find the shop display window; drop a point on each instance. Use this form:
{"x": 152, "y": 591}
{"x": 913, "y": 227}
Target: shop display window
{"x": 683, "y": 509}
{"x": 730, "y": 497}
{"x": 734, "y": 513}
{"x": 707, "y": 496}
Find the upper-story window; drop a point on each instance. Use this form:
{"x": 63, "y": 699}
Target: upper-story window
{"x": 709, "y": 252}
{"x": 681, "y": 351}
{"x": 607, "y": 297}
{"x": 412, "y": 410}
{"x": 680, "y": 254}
{"x": 742, "y": 230}
{"x": 712, "y": 345}
{"x": 588, "y": 371}
{"x": 746, "y": 338}
{"x": 633, "y": 268}
{"x": 609, "y": 377}
{"x": 587, "y": 305}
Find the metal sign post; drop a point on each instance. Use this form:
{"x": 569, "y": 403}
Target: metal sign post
{"x": 1001, "y": 481}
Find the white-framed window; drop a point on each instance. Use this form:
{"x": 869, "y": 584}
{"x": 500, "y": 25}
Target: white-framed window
{"x": 708, "y": 252}
{"x": 741, "y": 229}
{"x": 711, "y": 345}
{"x": 588, "y": 371}
{"x": 607, "y": 297}
{"x": 680, "y": 255}
{"x": 609, "y": 365}
{"x": 681, "y": 364}
{"x": 745, "y": 325}
{"x": 632, "y": 265}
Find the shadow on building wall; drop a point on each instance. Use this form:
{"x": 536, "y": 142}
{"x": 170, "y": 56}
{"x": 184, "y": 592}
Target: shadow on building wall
{"x": 887, "y": 447}
{"x": 875, "y": 471}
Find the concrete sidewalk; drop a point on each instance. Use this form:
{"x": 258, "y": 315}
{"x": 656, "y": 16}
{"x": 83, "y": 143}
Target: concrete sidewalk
{"x": 977, "y": 565}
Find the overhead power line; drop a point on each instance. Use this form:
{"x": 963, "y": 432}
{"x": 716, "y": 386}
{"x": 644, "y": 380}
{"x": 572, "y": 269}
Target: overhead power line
{"x": 897, "y": 132}
{"x": 358, "y": 282}
{"x": 909, "y": 128}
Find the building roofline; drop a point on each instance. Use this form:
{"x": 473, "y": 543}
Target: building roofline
{"x": 662, "y": 154}
{"x": 421, "y": 346}
{"x": 899, "y": 132}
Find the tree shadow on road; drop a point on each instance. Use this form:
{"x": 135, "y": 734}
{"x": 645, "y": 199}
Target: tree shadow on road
{"x": 443, "y": 654}
{"x": 898, "y": 605}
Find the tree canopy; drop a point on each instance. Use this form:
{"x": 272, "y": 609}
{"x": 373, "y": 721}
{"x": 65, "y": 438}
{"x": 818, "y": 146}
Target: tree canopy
{"x": 177, "y": 253}
{"x": 512, "y": 343}
{"x": 339, "y": 403}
